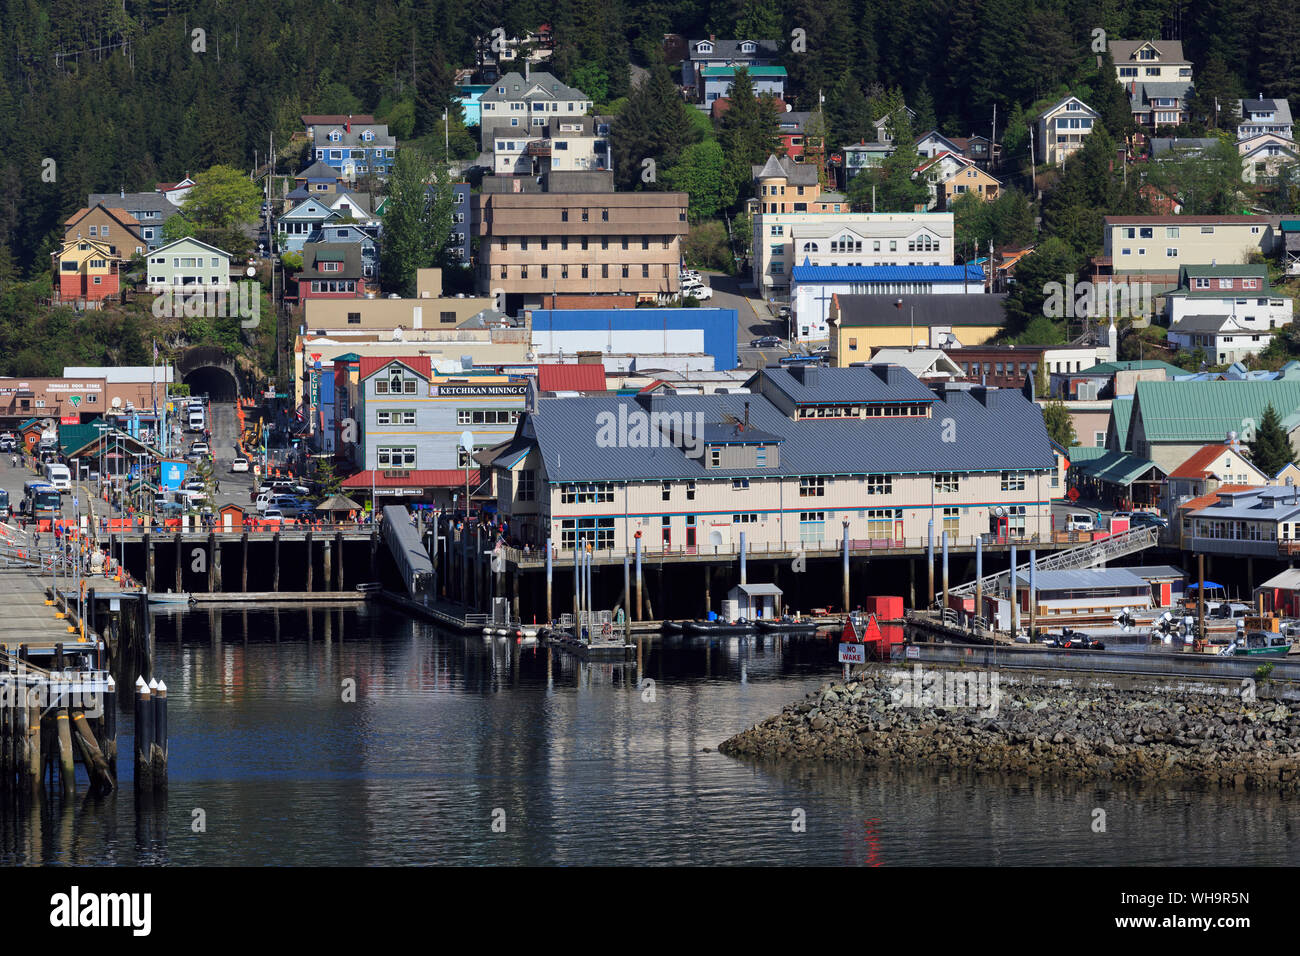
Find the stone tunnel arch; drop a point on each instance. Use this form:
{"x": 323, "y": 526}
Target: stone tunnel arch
{"x": 210, "y": 371}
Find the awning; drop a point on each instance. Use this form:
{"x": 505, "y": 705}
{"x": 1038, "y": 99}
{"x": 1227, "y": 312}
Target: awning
{"x": 1117, "y": 468}
{"x": 1208, "y": 584}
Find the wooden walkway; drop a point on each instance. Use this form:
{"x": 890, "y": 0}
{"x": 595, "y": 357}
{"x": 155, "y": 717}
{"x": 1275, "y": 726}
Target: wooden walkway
{"x": 29, "y": 618}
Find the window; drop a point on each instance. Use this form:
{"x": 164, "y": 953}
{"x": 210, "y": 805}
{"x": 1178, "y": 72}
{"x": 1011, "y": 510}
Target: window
{"x": 394, "y": 416}
{"x": 666, "y": 490}
{"x": 951, "y": 518}
{"x": 487, "y": 416}
{"x": 1013, "y": 481}
{"x": 811, "y": 526}
{"x": 715, "y": 457}
{"x": 880, "y": 484}
{"x": 739, "y": 484}
{"x": 396, "y": 456}
{"x": 690, "y": 491}
{"x": 598, "y": 532}
{"x": 812, "y": 487}
{"x": 744, "y": 519}
{"x": 947, "y": 483}
{"x": 880, "y": 522}
{"x": 587, "y": 493}
{"x": 525, "y": 489}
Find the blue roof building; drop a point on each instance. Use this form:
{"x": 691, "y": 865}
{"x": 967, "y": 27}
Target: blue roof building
{"x": 812, "y": 288}
{"x": 808, "y": 452}
{"x": 647, "y": 332}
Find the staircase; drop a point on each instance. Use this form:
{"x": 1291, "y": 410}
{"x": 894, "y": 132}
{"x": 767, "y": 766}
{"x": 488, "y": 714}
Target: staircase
{"x": 1085, "y": 556}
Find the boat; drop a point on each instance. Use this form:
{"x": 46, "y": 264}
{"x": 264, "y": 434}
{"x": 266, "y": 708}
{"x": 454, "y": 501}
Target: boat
{"x": 671, "y": 627}
{"x": 720, "y": 627}
{"x": 788, "y": 625}
{"x": 1262, "y": 644}
{"x": 170, "y": 597}
{"x": 369, "y": 586}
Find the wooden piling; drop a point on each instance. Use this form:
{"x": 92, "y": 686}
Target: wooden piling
{"x": 243, "y": 543}
{"x": 143, "y": 736}
{"x": 158, "y": 750}
{"x": 275, "y": 559}
{"x": 550, "y": 616}
{"x": 96, "y": 764}
{"x": 708, "y": 591}
{"x": 216, "y": 563}
{"x": 108, "y": 727}
{"x": 310, "y": 556}
{"x": 32, "y": 749}
{"x": 180, "y": 551}
{"x": 6, "y": 745}
{"x": 327, "y": 553}
{"x": 67, "y": 761}
{"x": 149, "y": 575}
{"x": 338, "y": 561}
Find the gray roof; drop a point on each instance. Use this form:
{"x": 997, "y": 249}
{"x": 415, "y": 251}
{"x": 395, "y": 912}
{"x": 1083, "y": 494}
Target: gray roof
{"x": 1288, "y": 580}
{"x": 319, "y": 170}
{"x": 1082, "y": 579}
{"x": 517, "y": 88}
{"x": 1141, "y": 93}
{"x": 783, "y": 167}
{"x": 1201, "y": 323}
{"x": 348, "y": 252}
{"x": 730, "y": 50}
{"x": 759, "y": 590}
{"x": 1258, "y": 503}
{"x": 1280, "y": 106}
{"x": 998, "y": 430}
{"x": 321, "y": 137}
{"x": 1155, "y": 572}
{"x": 131, "y": 202}
{"x": 932, "y": 309}
{"x": 810, "y": 385}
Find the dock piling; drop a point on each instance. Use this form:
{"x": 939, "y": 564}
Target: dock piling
{"x": 143, "y": 736}
{"x": 549, "y": 615}
{"x": 67, "y": 761}
{"x": 158, "y": 748}
{"x": 929, "y": 562}
{"x": 945, "y": 570}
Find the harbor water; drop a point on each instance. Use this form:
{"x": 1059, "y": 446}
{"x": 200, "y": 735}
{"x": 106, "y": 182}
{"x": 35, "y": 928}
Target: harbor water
{"x": 352, "y": 735}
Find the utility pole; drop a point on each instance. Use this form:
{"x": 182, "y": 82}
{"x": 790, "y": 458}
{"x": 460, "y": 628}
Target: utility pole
{"x": 994, "y": 138}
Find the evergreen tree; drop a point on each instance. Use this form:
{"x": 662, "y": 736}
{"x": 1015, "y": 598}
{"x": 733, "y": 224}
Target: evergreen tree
{"x": 1053, "y": 261}
{"x": 1214, "y": 96}
{"x": 747, "y": 133}
{"x": 758, "y": 20}
{"x": 1271, "y": 450}
{"x": 417, "y": 221}
{"x": 702, "y": 174}
{"x": 899, "y": 188}
{"x": 1060, "y": 426}
{"x": 924, "y": 106}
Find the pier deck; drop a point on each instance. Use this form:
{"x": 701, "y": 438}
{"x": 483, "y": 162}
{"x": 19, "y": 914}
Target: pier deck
{"x": 28, "y": 619}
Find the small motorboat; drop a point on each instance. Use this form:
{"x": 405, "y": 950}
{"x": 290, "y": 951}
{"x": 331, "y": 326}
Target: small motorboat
{"x": 788, "y": 625}
{"x": 170, "y": 597}
{"x": 369, "y": 586}
{"x": 720, "y": 627}
{"x": 671, "y": 627}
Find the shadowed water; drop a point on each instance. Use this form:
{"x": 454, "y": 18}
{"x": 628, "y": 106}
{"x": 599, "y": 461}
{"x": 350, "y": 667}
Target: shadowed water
{"x": 448, "y": 733}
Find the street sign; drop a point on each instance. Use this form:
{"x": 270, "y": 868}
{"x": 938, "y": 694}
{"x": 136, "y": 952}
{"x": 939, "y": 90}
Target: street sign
{"x": 853, "y": 653}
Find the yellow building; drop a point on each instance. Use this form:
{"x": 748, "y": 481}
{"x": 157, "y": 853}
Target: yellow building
{"x": 860, "y": 324}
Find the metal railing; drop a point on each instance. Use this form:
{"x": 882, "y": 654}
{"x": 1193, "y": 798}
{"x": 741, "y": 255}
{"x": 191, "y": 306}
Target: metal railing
{"x": 1087, "y": 556}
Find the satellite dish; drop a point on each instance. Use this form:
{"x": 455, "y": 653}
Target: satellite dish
{"x": 1000, "y": 511}
{"x": 250, "y": 272}
{"x": 467, "y": 440}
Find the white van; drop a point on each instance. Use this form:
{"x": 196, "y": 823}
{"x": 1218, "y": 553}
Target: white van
{"x": 195, "y": 420}
{"x": 58, "y": 475}
{"x": 1080, "y": 521}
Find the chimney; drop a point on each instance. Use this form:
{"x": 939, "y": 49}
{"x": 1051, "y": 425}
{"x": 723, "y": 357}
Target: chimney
{"x": 746, "y": 427}
{"x": 527, "y": 63}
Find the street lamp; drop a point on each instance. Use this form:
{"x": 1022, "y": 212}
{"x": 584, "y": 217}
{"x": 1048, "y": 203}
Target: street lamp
{"x": 911, "y": 335}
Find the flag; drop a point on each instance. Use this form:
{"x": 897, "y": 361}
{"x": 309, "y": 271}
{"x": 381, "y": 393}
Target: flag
{"x": 155, "y": 350}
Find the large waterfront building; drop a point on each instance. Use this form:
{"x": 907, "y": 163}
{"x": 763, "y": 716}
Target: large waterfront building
{"x": 809, "y": 453}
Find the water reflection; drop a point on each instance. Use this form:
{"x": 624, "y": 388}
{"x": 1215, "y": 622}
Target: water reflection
{"x": 352, "y": 735}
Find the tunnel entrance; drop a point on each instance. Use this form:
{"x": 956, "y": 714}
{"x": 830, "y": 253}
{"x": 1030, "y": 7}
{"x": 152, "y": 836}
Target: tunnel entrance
{"x": 217, "y": 383}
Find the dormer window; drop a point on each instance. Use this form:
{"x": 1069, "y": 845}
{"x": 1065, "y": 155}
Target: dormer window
{"x": 367, "y": 136}
{"x": 747, "y": 47}
{"x": 335, "y": 136}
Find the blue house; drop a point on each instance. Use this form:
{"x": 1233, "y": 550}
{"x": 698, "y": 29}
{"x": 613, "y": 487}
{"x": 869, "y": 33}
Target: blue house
{"x": 301, "y": 221}
{"x": 355, "y": 150}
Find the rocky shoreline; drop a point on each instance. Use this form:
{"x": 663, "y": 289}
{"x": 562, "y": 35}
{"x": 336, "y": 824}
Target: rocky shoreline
{"x": 877, "y": 718}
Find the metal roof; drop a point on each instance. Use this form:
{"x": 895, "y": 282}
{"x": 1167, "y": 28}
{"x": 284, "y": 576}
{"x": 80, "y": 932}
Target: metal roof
{"x": 811, "y": 385}
{"x": 1083, "y": 578}
{"x": 1260, "y": 504}
{"x": 759, "y": 590}
{"x": 1204, "y": 412}
{"x": 1004, "y": 431}
{"x": 1118, "y": 468}
{"x": 935, "y": 309}
{"x": 1156, "y": 572}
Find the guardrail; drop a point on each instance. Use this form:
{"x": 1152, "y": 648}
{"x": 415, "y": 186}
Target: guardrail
{"x": 1086, "y": 556}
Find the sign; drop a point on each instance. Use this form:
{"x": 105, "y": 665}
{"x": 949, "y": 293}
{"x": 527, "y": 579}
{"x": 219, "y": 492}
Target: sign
{"x": 912, "y": 651}
{"x": 477, "y": 391}
{"x": 853, "y": 653}
{"x": 75, "y": 400}
{"x": 173, "y": 473}
{"x": 70, "y": 420}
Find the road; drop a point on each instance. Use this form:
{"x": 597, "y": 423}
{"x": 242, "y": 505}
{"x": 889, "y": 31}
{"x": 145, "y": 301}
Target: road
{"x": 753, "y": 318}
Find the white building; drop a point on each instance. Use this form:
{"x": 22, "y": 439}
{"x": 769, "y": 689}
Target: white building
{"x": 813, "y": 287}
{"x": 782, "y": 240}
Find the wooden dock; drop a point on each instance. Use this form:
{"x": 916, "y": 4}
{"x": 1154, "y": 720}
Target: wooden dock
{"x": 31, "y": 618}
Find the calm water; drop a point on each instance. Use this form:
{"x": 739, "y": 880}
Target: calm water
{"x": 447, "y": 732}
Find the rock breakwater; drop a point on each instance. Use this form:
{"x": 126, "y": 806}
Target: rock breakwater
{"x": 882, "y": 716}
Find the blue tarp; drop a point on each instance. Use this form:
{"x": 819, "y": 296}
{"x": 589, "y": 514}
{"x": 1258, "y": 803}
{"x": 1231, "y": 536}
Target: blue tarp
{"x": 1208, "y": 584}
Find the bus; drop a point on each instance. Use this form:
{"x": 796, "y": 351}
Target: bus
{"x": 40, "y": 500}
{"x": 4, "y": 504}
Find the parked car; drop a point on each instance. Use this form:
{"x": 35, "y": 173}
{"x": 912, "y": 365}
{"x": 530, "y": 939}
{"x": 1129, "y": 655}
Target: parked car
{"x": 783, "y": 312}
{"x": 1148, "y": 519}
{"x": 765, "y": 342}
{"x": 700, "y": 292}
{"x": 201, "y": 447}
{"x": 272, "y": 514}
{"x": 239, "y": 464}
{"x": 1080, "y": 521}
{"x": 821, "y": 350}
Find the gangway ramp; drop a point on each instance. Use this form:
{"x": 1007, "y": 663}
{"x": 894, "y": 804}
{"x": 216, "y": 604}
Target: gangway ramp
{"x": 1085, "y": 556}
{"x": 403, "y": 540}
